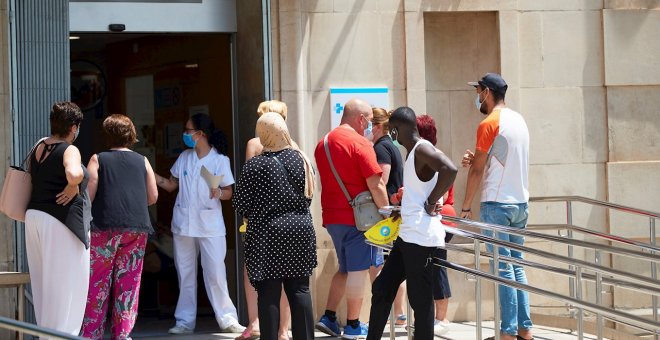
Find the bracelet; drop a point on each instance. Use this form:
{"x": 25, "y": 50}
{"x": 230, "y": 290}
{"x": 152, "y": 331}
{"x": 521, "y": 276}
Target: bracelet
{"x": 466, "y": 210}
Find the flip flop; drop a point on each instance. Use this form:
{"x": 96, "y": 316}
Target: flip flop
{"x": 246, "y": 335}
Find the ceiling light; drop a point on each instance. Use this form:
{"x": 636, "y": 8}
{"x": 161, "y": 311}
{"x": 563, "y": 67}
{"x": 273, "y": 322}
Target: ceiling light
{"x": 74, "y": 37}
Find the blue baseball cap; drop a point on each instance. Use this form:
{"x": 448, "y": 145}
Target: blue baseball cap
{"x": 492, "y": 81}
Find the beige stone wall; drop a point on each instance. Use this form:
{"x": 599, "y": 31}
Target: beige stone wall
{"x": 584, "y": 74}
{"x": 7, "y": 260}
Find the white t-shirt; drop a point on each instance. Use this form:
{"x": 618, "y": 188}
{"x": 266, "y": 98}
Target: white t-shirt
{"x": 417, "y": 226}
{"x": 504, "y": 136}
{"x": 195, "y": 213}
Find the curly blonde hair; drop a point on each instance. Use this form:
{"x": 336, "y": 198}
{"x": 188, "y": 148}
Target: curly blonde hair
{"x": 272, "y": 106}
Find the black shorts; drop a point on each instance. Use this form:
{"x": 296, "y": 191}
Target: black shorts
{"x": 441, "y": 289}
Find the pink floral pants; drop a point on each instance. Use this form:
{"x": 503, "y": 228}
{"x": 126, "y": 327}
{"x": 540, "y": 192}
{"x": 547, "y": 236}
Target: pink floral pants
{"x": 116, "y": 267}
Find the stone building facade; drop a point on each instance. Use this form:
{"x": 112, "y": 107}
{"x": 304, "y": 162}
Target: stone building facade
{"x": 584, "y": 74}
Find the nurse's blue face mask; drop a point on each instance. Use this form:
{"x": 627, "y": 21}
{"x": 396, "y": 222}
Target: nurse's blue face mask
{"x": 188, "y": 138}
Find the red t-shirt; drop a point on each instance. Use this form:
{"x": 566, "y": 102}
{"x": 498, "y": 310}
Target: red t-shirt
{"x": 354, "y": 159}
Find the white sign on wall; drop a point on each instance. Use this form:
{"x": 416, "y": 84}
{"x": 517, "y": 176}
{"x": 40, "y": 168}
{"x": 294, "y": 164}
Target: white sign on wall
{"x": 375, "y": 96}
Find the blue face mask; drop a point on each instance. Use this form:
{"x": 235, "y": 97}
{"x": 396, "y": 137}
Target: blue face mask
{"x": 188, "y": 140}
{"x": 478, "y": 103}
{"x": 368, "y": 132}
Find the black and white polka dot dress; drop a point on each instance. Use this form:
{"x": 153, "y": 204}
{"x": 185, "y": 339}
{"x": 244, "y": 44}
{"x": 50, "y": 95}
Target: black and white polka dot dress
{"x": 280, "y": 241}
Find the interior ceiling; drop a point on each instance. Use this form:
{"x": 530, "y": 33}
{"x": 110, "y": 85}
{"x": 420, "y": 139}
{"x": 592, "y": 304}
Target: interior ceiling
{"x": 98, "y": 41}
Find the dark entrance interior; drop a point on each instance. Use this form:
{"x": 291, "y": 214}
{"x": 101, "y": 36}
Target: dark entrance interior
{"x": 159, "y": 80}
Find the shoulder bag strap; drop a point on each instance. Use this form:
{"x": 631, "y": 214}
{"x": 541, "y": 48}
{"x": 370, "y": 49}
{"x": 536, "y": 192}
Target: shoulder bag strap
{"x": 334, "y": 171}
{"x": 34, "y": 148}
{"x": 287, "y": 175}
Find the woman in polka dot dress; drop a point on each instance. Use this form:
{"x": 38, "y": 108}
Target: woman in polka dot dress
{"x": 274, "y": 192}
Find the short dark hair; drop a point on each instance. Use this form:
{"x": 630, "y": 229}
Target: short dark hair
{"x": 498, "y": 96}
{"x": 64, "y": 115}
{"x": 119, "y": 131}
{"x": 404, "y": 115}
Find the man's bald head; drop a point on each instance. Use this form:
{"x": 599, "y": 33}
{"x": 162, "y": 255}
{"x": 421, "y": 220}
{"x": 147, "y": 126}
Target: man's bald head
{"x": 357, "y": 113}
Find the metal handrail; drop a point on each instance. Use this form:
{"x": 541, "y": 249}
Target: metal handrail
{"x": 651, "y": 215}
{"x": 33, "y": 329}
{"x": 647, "y": 285}
{"x": 592, "y": 201}
{"x": 613, "y": 314}
{"x": 579, "y": 243}
{"x": 598, "y": 234}
{"x": 552, "y": 256}
{"x": 609, "y": 280}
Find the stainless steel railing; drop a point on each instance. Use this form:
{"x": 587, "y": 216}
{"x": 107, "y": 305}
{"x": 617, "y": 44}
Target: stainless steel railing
{"x": 576, "y": 270}
{"x": 32, "y": 329}
{"x": 651, "y": 247}
{"x": 646, "y": 285}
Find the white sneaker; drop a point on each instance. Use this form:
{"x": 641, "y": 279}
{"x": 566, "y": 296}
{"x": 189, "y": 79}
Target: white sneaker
{"x": 440, "y": 328}
{"x": 178, "y": 329}
{"x": 235, "y": 328}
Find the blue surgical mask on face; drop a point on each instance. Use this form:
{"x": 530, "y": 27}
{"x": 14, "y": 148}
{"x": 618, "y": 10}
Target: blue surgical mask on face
{"x": 188, "y": 140}
{"x": 478, "y": 102}
{"x": 368, "y": 132}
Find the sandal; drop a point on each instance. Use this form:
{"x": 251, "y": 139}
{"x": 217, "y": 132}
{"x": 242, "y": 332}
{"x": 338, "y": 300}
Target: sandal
{"x": 247, "y": 335}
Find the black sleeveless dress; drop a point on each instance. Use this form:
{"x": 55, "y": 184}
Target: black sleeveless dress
{"x": 48, "y": 180}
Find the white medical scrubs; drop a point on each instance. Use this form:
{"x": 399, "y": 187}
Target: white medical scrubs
{"x": 198, "y": 225}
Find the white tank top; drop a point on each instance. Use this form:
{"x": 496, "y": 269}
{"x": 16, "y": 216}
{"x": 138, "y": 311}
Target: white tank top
{"x": 417, "y": 226}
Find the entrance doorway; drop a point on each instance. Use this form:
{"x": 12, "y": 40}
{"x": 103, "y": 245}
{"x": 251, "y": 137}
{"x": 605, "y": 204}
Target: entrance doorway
{"x": 159, "y": 80}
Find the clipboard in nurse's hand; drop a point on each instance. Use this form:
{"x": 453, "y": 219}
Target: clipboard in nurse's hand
{"x": 211, "y": 180}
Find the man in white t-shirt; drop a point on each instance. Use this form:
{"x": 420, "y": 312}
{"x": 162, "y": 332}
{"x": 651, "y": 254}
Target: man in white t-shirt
{"x": 501, "y": 160}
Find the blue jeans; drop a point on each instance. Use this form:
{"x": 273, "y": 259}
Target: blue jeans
{"x": 514, "y": 303}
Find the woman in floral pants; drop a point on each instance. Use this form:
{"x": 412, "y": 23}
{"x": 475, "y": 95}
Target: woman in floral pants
{"x": 122, "y": 184}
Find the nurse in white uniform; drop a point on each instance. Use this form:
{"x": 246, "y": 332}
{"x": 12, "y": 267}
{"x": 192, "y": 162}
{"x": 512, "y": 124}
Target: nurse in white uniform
{"x": 198, "y": 224}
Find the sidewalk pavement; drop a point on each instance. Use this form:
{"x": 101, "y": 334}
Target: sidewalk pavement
{"x": 458, "y": 331}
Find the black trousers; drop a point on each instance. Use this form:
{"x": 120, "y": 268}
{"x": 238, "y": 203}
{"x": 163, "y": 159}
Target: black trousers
{"x": 300, "y": 300}
{"x": 407, "y": 261}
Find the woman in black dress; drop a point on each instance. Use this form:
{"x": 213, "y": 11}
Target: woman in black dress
{"x": 274, "y": 192}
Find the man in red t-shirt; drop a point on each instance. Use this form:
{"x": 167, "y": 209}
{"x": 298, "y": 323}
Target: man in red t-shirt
{"x": 354, "y": 159}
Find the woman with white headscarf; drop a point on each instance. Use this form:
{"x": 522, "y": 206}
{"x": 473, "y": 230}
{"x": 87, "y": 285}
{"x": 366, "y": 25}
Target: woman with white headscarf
{"x": 274, "y": 192}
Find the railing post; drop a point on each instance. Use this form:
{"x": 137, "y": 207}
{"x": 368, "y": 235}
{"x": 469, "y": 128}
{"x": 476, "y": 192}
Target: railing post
{"x": 599, "y": 297}
{"x": 578, "y": 295}
{"x": 477, "y": 266}
{"x": 410, "y": 320}
{"x": 392, "y": 324}
{"x": 496, "y": 295}
{"x": 654, "y": 273}
{"x": 571, "y": 282}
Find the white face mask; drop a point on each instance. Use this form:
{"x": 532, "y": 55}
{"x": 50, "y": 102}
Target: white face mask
{"x": 75, "y": 134}
{"x": 478, "y": 102}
